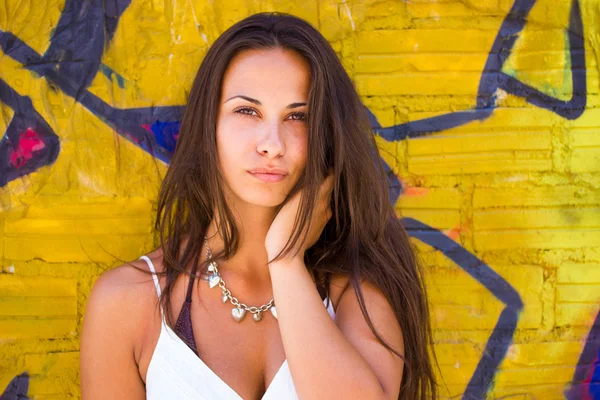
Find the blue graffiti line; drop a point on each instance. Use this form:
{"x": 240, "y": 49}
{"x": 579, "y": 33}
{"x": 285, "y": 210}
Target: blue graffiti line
{"x": 394, "y": 185}
{"x": 492, "y": 79}
{"x": 17, "y": 388}
{"x": 501, "y": 337}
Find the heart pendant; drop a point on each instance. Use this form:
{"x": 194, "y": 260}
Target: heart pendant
{"x": 257, "y": 317}
{"x": 273, "y": 311}
{"x": 211, "y": 267}
{"x": 213, "y": 280}
{"x": 224, "y": 298}
{"x": 238, "y": 314}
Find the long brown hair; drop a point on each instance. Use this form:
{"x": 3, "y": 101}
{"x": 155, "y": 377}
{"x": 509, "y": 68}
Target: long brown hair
{"x": 363, "y": 240}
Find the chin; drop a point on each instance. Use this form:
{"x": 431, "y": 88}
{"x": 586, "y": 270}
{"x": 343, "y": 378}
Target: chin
{"x": 264, "y": 201}
{"x": 261, "y": 196}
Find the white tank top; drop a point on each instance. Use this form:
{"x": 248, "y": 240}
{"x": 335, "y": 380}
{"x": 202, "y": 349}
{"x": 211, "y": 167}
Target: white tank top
{"x": 176, "y": 372}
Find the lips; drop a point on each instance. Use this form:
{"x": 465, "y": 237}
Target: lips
{"x": 269, "y": 175}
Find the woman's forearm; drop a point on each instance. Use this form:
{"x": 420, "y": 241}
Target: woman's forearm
{"x": 323, "y": 363}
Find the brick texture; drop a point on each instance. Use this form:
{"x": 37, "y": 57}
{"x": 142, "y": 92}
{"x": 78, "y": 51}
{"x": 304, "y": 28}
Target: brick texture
{"x": 498, "y": 165}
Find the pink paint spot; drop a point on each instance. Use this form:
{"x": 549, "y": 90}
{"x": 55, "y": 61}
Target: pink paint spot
{"x": 415, "y": 191}
{"x": 412, "y": 190}
{"x": 147, "y": 127}
{"x": 29, "y": 142}
{"x": 453, "y": 233}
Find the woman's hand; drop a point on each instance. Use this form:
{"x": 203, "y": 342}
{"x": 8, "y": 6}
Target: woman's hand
{"x": 281, "y": 227}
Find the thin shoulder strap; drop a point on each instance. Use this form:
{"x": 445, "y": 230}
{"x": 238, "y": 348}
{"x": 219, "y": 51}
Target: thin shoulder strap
{"x": 188, "y": 296}
{"x": 155, "y": 277}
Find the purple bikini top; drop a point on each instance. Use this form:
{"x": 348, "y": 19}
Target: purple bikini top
{"x": 183, "y": 327}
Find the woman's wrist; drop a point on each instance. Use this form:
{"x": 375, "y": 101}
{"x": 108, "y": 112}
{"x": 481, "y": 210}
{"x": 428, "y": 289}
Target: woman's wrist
{"x": 287, "y": 261}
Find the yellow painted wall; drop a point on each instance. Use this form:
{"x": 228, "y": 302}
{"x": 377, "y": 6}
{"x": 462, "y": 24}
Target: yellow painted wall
{"x": 518, "y": 190}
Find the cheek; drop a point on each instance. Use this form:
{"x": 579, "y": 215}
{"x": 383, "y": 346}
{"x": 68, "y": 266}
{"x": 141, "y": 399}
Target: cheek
{"x": 232, "y": 139}
{"x": 298, "y": 149}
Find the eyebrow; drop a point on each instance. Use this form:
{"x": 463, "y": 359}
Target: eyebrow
{"x": 258, "y": 103}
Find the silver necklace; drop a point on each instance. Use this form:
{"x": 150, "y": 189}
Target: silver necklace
{"x": 239, "y": 311}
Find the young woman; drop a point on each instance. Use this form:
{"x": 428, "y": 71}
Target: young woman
{"x": 282, "y": 272}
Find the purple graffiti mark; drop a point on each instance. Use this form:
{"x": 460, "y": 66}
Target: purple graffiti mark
{"x": 113, "y": 9}
{"x": 502, "y": 335}
{"x": 493, "y": 78}
{"x": 17, "y": 388}
{"x": 586, "y": 379}
{"x": 83, "y": 30}
{"x": 28, "y": 143}
{"x": 593, "y": 383}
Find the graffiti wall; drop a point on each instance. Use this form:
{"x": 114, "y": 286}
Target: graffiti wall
{"x": 487, "y": 115}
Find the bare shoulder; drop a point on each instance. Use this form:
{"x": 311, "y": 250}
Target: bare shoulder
{"x": 118, "y": 312}
{"x": 342, "y": 294}
{"x": 123, "y": 280}
{"x": 125, "y": 296}
{"x": 122, "y": 289}
{"x": 387, "y": 365}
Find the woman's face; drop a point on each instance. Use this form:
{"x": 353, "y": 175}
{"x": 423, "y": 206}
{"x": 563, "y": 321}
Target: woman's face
{"x": 262, "y": 125}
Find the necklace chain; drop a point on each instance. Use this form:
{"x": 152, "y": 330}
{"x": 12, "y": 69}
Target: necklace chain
{"x": 239, "y": 312}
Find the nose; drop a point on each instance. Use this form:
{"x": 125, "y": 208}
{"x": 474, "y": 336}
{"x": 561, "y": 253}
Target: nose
{"x": 270, "y": 142}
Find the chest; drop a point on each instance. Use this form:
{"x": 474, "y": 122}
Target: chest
{"x": 234, "y": 360}
{"x": 174, "y": 373}
{"x": 247, "y": 356}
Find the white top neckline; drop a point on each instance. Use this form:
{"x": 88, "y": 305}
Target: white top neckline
{"x": 176, "y": 372}
{"x": 277, "y": 378}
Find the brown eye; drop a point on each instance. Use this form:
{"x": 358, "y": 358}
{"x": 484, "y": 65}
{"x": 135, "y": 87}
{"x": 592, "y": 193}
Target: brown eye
{"x": 246, "y": 111}
{"x": 298, "y": 116}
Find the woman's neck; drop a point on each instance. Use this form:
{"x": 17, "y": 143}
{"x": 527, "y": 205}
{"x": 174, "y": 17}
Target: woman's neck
{"x": 250, "y": 260}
